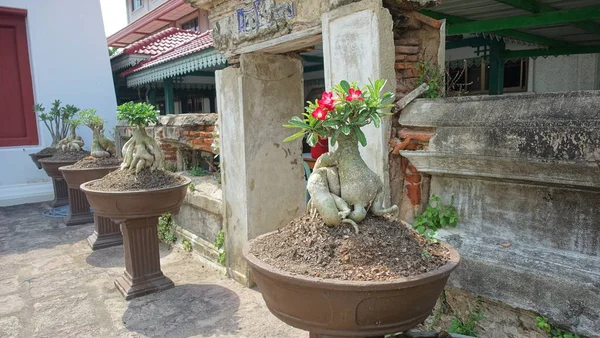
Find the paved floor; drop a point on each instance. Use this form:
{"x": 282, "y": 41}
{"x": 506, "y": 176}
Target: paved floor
{"x": 53, "y": 285}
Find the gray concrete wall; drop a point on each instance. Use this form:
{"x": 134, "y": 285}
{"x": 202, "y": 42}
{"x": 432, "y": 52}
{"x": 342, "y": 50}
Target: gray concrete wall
{"x": 525, "y": 173}
{"x": 263, "y": 178}
{"x": 564, "y": 73}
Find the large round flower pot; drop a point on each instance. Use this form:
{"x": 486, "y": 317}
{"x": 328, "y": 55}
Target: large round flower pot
{"x": 137, "y": 212}
{"x": 332, "y": 308}
{"x": 35, "y": 157}
{"x": 61, "y": 191}
{"x": 106, "y": 232}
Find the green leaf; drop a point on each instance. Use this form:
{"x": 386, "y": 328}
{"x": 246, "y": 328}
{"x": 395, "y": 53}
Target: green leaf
{"x": 376, "y": 120}
{"x": 361, "y": 136}
{"x": 335, "y": 136}
{"x": 346, "y": 130}
{"x": 421, "y": 229}
{"x": 295, "y": 136}
{"x": 312, "y": 139}
{"x": 345, "y": 86}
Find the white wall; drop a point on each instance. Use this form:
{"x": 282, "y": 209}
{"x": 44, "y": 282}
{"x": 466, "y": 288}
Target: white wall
{"x": 69, "y": 61}
{"x": 564, "y": 73}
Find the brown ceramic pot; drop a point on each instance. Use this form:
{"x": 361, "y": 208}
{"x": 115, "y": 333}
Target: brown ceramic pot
{"x": 106, "y": 232}
{"x": 35, "y": 157}
{"x": 137, "y": 212}
{"x": 61, "y": 191}
{"x": 332, "y": 308}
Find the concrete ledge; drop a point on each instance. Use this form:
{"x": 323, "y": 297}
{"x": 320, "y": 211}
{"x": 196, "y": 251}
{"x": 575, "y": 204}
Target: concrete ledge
{"x": 27, "y": 193}
{"x": 533, "y": 278}
{"x": 578, "y": 175}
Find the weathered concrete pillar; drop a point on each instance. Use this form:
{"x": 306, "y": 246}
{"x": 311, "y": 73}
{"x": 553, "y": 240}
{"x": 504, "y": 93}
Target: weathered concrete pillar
{"x": 262, "y": 177}
{"x": 358, "y": 45}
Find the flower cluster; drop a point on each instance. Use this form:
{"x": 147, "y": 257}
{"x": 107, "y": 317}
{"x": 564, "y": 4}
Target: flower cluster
{"x": 329, "y": 100}
{"x": 343, "y": 110}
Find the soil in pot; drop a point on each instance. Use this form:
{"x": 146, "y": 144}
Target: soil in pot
{"x": 383, "y": 250}
{"x": 93, "y": 162}
{"x": 127, "y": 180}
{"x": 47, "y": 151}
{"x": 67, "y": 156}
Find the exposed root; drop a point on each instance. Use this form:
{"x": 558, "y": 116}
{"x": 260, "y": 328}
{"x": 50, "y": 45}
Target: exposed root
{"x": 349, "y": 221}
{"x": 142, "y": 151}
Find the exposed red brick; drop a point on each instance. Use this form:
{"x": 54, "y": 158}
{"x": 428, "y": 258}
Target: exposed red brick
{"x": 208, "y": 128}
{"x": 425, "y": 19}
{"x": 407, "y": 49}
{"x": 409, "y": 73}
{"x": 419, "y": 135}
{"x": 413, "y": 192}
{"x": 413, "y": 178}
{"x": 406, "y": 65}
{"x": 404, "y": 164}
{"x": 408, "y": 42}
{"x": 412, "y": 58}
{"x": 411, "y": 169}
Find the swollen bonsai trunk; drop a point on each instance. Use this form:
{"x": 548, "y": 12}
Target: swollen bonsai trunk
{"x": 142, "y": 151}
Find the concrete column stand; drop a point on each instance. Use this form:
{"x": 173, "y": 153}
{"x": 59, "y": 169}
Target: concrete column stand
{"x": 262, "y": 177}
{"x": 106, "y": 234}
{"x": 61, "y": 193}
{"x": 79, "y": 211}
{"x": 142, "y": 274}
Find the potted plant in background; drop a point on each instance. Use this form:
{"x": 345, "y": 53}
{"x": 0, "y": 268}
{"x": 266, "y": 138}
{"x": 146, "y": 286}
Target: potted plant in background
{"x": 338, "y": 271}
{"x": 101, "y": 161}
{"x": 134, "y": 196}
{"x": 56, "y": 121}
{"x": 68, "y": 149}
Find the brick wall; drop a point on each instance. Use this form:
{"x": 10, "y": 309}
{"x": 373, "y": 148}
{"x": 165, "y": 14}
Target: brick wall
{"x": 417, "y": 39}
{"x": 185, "y": 139}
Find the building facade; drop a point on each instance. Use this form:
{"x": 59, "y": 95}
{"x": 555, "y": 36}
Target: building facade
{"x": 45, "y": 62}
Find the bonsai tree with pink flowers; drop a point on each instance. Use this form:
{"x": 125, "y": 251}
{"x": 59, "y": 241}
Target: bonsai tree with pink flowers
{"x": 342, "y": 187}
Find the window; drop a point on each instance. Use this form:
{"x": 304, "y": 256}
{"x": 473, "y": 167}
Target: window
{"x": 471, "y": 76}
{"x": 191, "y": 25}
{"x": 18, "y": 125}
{"x": 136, "y": 4}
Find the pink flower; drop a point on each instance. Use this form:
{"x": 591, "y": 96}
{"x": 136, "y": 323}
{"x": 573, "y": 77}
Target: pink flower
{"x": 319, "y": 113}
{"x": 327, "y": 101}
{"x": 354, "y": 94}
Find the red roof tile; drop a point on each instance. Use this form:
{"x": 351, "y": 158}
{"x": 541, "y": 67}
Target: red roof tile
{"x": 161, "y": 42}
{"x": 199, "y": 43}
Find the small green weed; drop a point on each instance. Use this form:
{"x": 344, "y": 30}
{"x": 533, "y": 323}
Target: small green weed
{"x": 187, "y": 245}
{"x": 435, "y": 217}
{"x": 192, "y": 186}
{"x": 197, "y": 171}
{"x": 542, "y": 323}
{"x": 166, "y": 231}
{"x": 468, "y": 327}
{"x": 220, "y": 245}
{"x": 427, "y": 73}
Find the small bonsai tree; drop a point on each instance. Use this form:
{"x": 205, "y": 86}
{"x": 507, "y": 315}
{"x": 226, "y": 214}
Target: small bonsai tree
{"x": 141, "y": 151}
{"x": 342, "y": 187}
{"x": 72, "y": 142}
{"x": 102, "y": 146}
{"x": 56, "y": 120}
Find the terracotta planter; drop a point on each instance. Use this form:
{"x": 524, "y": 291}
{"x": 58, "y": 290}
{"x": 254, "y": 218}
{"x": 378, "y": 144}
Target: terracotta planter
{"x": 137, "y": 212}
{"x": 35, "y": 157}
{"x": 61, "y": 191}
{"x": 106, "y": 232}
{"x": 330, "y": 308}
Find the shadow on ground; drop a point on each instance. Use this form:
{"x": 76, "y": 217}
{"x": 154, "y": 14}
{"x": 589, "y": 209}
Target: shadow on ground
{"x": 24, "y": 228}
{"x": 113, "y": 257}
{"x": 184, "y": 311}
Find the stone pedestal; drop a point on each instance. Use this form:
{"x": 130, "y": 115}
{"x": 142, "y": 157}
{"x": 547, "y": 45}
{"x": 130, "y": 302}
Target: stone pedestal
{"x": 61, "y": 193}
{"x": 142, "y": 259}
{"x": 106, "y": 233}
{"x": 262, "y": 177}
{"x": 79, "y": 211}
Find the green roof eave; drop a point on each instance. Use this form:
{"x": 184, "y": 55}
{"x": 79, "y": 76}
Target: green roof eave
{"x": 188, "y": 64}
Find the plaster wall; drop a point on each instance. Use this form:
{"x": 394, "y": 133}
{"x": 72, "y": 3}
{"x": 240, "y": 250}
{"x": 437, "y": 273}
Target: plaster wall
{"x": 564, "y": 73}
{"x": 262, "y": 177}
{"x": 358, "y": 45}
{"x": 84, "y": 80}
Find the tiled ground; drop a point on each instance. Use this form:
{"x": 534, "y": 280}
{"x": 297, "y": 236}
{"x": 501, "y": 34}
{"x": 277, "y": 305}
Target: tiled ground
{"x": 53, "y": 285}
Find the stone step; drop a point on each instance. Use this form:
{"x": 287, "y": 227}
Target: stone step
{"x": 559, "y": 284}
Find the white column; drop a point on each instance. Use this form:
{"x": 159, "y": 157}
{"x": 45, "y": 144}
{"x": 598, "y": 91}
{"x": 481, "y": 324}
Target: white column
{"x": 262, "y": 177}
{"x": 358, "y": 45}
